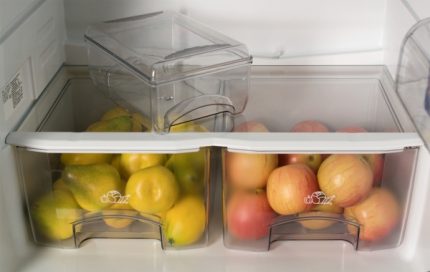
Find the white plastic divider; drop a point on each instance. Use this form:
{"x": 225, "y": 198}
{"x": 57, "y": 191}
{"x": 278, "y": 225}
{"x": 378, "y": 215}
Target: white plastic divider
{"x": 88, "y": 142}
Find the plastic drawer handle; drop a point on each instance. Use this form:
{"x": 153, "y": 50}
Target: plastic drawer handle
{"x": 196, "y": 108}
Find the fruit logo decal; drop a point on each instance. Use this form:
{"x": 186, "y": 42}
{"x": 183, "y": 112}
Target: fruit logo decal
{"x": 114, "y": 197}
{"x": 319, "y": 198}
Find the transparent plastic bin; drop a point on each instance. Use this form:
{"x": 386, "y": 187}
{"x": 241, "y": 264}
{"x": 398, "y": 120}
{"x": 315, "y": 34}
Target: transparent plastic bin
{"x": 413, "y": 77}
{"x": 168, "y": 68}
{"x": 79, "y": 187}
{"x": 316, "y": 164}
{"x": 75, "y": 197}
{"x": 293, "y": 201}
{"x": 279, "y": 98}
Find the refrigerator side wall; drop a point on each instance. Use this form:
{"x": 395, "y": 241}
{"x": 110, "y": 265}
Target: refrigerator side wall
{"x": 32, "y": 34}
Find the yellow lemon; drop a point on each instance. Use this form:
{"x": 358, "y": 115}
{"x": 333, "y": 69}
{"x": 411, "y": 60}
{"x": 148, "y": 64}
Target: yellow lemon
{"x": 54, "y": 213}
{"x": 59, "y": 184}
{"x": 116, "y": 162}
{"x": 117, "y": 124}
{"x": 131, "y": 163}
{"x": 113, "y": 215}
{"x": 84, "y": 158}
{"x": 188, "y": 127}
{"x": 190, "y": 170}
{"x": 185, "y": 223}
{"x": 152, "y": 190}
{"x": 115, "y": 112}
{"x": 157, "y": 217}
{"x": 140, "y": 122}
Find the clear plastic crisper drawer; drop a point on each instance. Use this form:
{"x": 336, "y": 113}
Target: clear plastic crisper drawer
{"x": 304, "y": 114}
{"x": 168, "y": 67}
{"x": 413, "y": 77}
{"x": 325, "y": 169}
{"x": 76, "y": 193}
{"x": 73, "y": 197}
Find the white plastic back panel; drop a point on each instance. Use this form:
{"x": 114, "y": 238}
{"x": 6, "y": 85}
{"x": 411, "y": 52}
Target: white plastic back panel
{"x": 398, "y": 21}
{"x": 299, "y": 32}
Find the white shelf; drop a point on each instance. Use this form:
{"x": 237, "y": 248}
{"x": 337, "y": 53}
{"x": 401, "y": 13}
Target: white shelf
{"x": 146, "y": 255}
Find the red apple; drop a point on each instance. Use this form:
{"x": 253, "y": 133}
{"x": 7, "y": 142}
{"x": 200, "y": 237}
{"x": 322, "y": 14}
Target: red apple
{"x": 311, "y": 160}
{"x": 249, "y": 215}
{"x": 289, "y": 187}
{"x": 352, "y": 129}
{"x": 248, "y": 170}
{"x": 251, "y": 126}
{"x": 346, "y": 178}
{"x": 310, "y": 126}
{"x": 376, "y": 162}
{"x": 378, "y": 214}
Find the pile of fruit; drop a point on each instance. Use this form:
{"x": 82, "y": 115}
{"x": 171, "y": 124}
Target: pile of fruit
{"x": 125, "y": 188}
{"x": 262, "y": 187}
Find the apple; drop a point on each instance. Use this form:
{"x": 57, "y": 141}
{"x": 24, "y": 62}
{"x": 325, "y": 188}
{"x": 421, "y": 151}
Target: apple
{"x": 376, "y": 162}
{"x": 378, "y": 215}
{"x": 249, "y": 215}
{"x": 352, "y": 129}
{"x": 289, "y": 186}
{"x": 309, "y": 126}
{"x": 311, "y": 160}
{"x": 347, "y": 178}
{"x": 251, "y": 126}
{"x": 326, "y": 210}
{"x": 249, "y": 170}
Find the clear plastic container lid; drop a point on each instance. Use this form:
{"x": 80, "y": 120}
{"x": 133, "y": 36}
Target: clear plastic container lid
{"x": 163, "y": 47}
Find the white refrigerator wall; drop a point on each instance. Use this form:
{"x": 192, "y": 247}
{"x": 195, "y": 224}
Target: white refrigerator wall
{"x": 32, "y": 36}
{"x": 420, "y": 9}
{"x": 275, "y": 31}
{"x": 36, "y": 36}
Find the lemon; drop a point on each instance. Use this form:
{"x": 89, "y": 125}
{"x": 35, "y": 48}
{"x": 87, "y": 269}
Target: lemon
{"x": 115, "y": 112}
{"x": 188, "y": 127}
{"x": 54, "y": 213}
{"x": 132, "y": 162}
{"x": 117, "y": 124}
{"x": 112, "y": 215}
{"x": 145, "y": 123}
{"x": 189, "y": 169}
{"x": 139, "y": 122}
{"x": 185, "y": 222}
{"x": 152, "y": 190}
{"x": 116, "y": 161}
{"x": 59, "y": 184}
{"x": 84, "y": 158}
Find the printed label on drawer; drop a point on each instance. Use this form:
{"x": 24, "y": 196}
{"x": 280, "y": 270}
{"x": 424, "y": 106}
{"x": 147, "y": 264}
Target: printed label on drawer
{"x": 114, "y": 197}
{"x": 319, "y": 198}
{"x": 17, "y": 92}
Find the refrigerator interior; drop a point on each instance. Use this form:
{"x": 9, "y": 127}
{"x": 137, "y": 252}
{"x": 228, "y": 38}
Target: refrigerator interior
{"x": 50, "y": 32}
